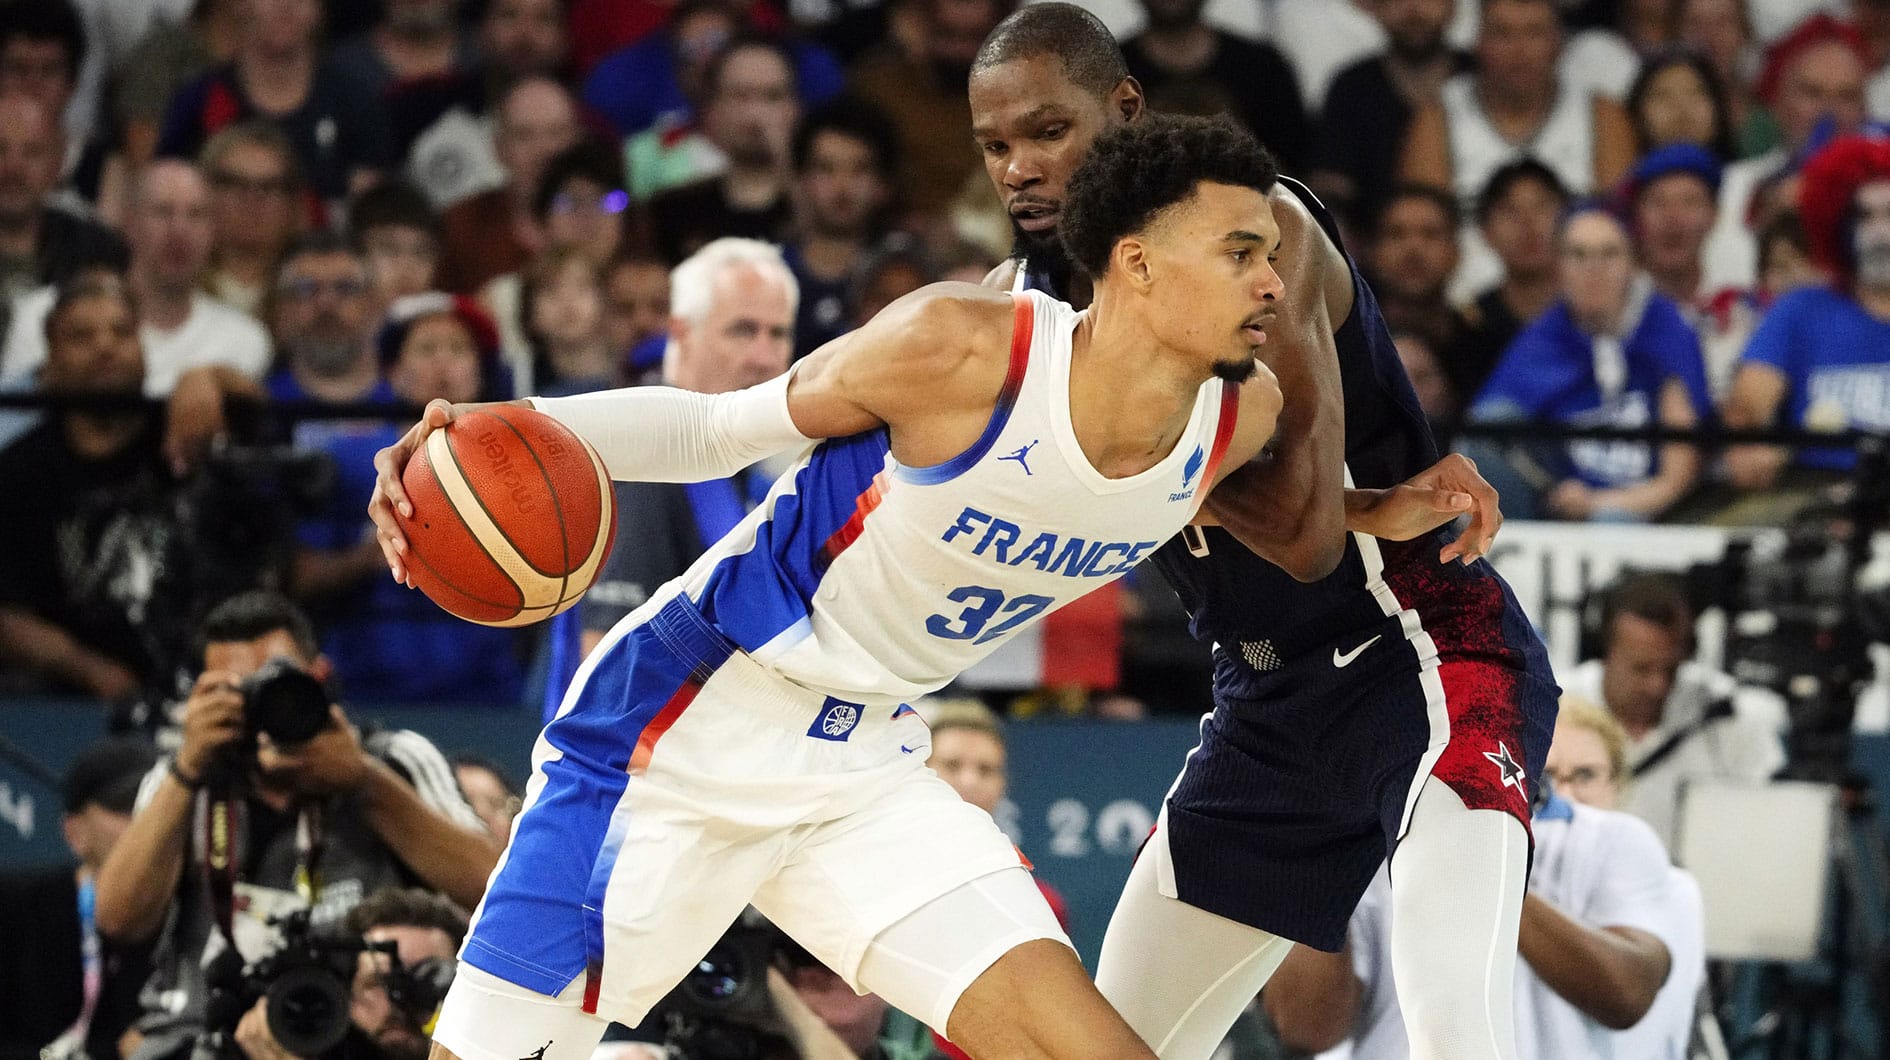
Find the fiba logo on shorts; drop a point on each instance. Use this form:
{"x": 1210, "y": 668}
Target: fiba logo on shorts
{"x": 835, "y": 721}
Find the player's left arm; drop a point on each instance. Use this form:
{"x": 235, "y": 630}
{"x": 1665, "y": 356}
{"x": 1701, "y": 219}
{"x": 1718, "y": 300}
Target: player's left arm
{"x": 1288, "y": 505}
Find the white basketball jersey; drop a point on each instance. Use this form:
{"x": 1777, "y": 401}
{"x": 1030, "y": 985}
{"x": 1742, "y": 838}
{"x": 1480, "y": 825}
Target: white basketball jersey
{"x": 867, "y": 579}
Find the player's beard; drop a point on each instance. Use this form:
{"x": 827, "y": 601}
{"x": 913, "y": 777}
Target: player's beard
{"x": 1045, "y": 254}
{"x": 1236, "y": 371}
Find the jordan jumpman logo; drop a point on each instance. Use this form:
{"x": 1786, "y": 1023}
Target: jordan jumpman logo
{"x": 1022, "y": 456}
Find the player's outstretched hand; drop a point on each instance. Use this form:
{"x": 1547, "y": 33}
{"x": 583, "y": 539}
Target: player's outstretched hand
{"x": 389, "y": 497}
{"x": 1440, "y": 493}
{"x": 1458, "y": 472}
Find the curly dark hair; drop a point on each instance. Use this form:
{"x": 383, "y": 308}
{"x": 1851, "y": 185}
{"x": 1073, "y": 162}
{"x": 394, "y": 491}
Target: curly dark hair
{"x": 1138, "y": 170}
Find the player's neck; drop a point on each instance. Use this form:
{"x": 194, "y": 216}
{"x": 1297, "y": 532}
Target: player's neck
{"x": 1130, "y": 397}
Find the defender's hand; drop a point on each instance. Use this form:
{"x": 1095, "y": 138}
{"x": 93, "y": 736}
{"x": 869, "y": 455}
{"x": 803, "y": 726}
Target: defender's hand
{"x": 1435, "y": 496}
{"x": 388, "y": 496}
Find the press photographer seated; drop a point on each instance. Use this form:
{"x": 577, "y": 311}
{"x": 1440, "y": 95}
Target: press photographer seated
{"x": 1684, "y": 719}
{"x": 392, "y": 988}
{"x": 318, "y": 816}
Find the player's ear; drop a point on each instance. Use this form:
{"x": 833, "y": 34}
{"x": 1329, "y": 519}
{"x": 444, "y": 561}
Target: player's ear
{"x": 1131, "y": 260}
{"x": 1127, "y": 100}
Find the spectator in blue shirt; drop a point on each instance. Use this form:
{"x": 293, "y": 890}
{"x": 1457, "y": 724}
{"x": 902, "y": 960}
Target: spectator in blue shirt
{"x": 1610, "y": 351}
{"x": 1821, "y": 358}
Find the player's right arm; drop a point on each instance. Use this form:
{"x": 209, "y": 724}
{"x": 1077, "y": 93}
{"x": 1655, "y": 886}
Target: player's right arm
{"x": 920, "y": 366}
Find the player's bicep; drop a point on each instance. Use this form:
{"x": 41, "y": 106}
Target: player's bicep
{"x": 904, "y": 361}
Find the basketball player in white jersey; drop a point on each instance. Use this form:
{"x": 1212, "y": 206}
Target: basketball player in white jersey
{"x": 742, "y": 737}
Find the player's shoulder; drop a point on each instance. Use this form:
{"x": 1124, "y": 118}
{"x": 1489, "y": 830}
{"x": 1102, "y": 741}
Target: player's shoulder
{"x": 947, "y": 324}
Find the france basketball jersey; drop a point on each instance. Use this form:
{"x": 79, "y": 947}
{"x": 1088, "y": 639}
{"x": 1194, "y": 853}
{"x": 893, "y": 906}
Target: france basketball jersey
{"x": 871, "y": 580}
{"x": 743, "y": 738}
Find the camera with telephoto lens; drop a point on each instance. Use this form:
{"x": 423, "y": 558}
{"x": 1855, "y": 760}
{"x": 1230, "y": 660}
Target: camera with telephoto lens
{"x": 722, "y": 1010}
{"x": 307, "y": 985}
{"x": 284, "y": 701}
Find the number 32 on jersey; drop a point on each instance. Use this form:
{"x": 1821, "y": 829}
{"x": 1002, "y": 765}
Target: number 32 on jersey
{"x": 981, "y": 606}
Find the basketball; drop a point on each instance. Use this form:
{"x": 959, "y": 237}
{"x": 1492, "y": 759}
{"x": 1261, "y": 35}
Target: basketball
{"x": 513, "y": 516}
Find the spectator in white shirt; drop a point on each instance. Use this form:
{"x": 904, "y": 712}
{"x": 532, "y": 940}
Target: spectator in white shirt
{"x": 1588, "y": 765}
{"x": 1596, "y": 940}
{"x": 169, "y": 232}
{"x": 1684, "y": 720}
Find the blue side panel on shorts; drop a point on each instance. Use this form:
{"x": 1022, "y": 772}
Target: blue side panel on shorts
{"x": 533, "y": 926}
{"x": 755, "y": 595}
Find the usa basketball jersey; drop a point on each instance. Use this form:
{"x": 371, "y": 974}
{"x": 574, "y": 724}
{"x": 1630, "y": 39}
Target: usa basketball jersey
{"x": 872, "y": 580}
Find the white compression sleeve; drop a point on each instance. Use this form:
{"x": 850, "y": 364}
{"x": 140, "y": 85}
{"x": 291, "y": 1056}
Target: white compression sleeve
{"x": 1179, "y": 975}
{"x": 1456, "y": 904}
{"x": 662, "y": 434}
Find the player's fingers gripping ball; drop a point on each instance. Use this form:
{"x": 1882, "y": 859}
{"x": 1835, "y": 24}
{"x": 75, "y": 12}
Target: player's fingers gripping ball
{"x": 513, "y": 516}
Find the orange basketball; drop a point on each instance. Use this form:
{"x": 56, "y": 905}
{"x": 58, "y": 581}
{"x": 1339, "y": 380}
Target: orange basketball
{"x": 513, "y": 516}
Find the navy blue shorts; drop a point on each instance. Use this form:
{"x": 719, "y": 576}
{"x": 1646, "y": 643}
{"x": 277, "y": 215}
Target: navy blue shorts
{"x": 1300, "y": 790}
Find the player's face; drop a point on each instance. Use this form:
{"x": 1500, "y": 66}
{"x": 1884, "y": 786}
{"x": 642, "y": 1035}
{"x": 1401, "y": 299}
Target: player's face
{"x": 1415, "y": 27}
{"x": 1033, "y": 126}
{"x": 1579, "y": 768}
{"x": 93, "y": 348}
{"x": 972, "y": 762}
{"x": 1639, "y": 669}
{"x": 1212, "y": 280}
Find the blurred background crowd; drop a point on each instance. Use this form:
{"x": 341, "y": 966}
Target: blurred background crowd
{"x": 1635, "y": 255}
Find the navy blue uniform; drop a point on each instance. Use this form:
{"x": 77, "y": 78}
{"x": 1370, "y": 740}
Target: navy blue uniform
{"x": 1335, "y": 700}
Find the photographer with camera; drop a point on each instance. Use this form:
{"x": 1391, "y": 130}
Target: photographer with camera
{"x": 1684, "y": 720}
{"x": 393, "y": 979}
{"x": 274, "y": 802}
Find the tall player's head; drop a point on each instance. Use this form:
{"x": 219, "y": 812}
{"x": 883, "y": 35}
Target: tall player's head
{"x": 1169, "y": 219}
{"x": 1048, "y": 81}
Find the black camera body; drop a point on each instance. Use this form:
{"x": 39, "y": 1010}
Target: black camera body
{"x": 284, "y": 701}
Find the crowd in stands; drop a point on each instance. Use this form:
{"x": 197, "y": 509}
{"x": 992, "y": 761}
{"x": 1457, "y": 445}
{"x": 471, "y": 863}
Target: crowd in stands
{"x": 266, "y": 214}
